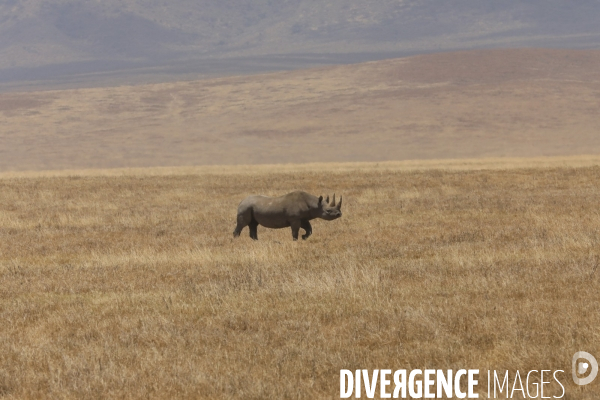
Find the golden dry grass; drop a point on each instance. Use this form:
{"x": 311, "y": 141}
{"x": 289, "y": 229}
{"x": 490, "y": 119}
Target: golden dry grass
{"x": 485, "y": 103}
{"x": 132, "y": 286}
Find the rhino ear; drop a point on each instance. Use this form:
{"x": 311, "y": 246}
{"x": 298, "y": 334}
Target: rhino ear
{"x": 332, "y": 204}
{"x": 339, "y": 206}
{"x": 320, "y": 200}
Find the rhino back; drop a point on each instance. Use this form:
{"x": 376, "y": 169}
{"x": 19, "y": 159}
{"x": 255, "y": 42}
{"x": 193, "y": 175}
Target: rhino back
{"x": 298, "y": 203}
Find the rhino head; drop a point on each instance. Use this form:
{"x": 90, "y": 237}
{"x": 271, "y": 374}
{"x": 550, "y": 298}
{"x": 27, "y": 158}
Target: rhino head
{"x": 330, "y": 211}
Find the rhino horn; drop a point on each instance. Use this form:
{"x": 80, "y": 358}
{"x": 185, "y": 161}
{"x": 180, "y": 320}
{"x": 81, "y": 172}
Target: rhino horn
{"x": 332, "y": 204}
{"x": 339, "y": 205}
{"x": 327, "y": 199}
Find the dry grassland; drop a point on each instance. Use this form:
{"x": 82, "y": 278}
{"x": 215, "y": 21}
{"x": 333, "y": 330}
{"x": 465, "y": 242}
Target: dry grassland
{"x": 132, "y": 286}
{"x": 488, "y": 103}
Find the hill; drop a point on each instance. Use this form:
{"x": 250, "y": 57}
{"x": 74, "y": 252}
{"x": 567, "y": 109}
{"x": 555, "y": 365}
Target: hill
{"x": 484, "y": 103}
{"x": 77, "y": 41}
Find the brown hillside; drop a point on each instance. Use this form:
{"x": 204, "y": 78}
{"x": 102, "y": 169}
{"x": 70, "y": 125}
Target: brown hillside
{"x": 528, "y": 102}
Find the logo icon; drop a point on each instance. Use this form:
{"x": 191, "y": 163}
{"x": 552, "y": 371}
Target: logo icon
{"x": 583, "y": 366}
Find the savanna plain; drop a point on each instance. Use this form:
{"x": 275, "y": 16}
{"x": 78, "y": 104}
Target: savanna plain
{"x": 131, "y": 285}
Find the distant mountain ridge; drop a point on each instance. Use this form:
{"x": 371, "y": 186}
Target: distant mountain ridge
{"x": 85, "y": 36}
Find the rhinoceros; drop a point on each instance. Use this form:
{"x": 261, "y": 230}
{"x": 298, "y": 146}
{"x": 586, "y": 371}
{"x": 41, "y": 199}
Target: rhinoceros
{"x": 294, "y": 209}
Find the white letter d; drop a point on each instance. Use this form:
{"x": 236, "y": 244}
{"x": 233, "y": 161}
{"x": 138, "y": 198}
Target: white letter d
{"x": 344, "y": 394}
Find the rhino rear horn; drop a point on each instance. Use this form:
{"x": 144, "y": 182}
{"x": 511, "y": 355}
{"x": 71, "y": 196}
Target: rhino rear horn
{"x": 339, "y": 205}
{"x": 327, "y": 199}
{"x": 332, "y": 204}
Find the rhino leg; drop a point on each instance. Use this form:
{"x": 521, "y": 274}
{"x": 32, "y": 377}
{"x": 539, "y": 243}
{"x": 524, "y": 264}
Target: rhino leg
{"x": 253, "y": 225}
{"x": 244, "y": 219}
{"x": 238, "y": 230}
{"x": 305, "y": 224}
{"x": 295, "y": 229}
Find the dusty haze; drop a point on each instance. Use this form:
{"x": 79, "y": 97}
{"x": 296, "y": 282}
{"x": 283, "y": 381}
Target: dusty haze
{"x": 61, "y": 42}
